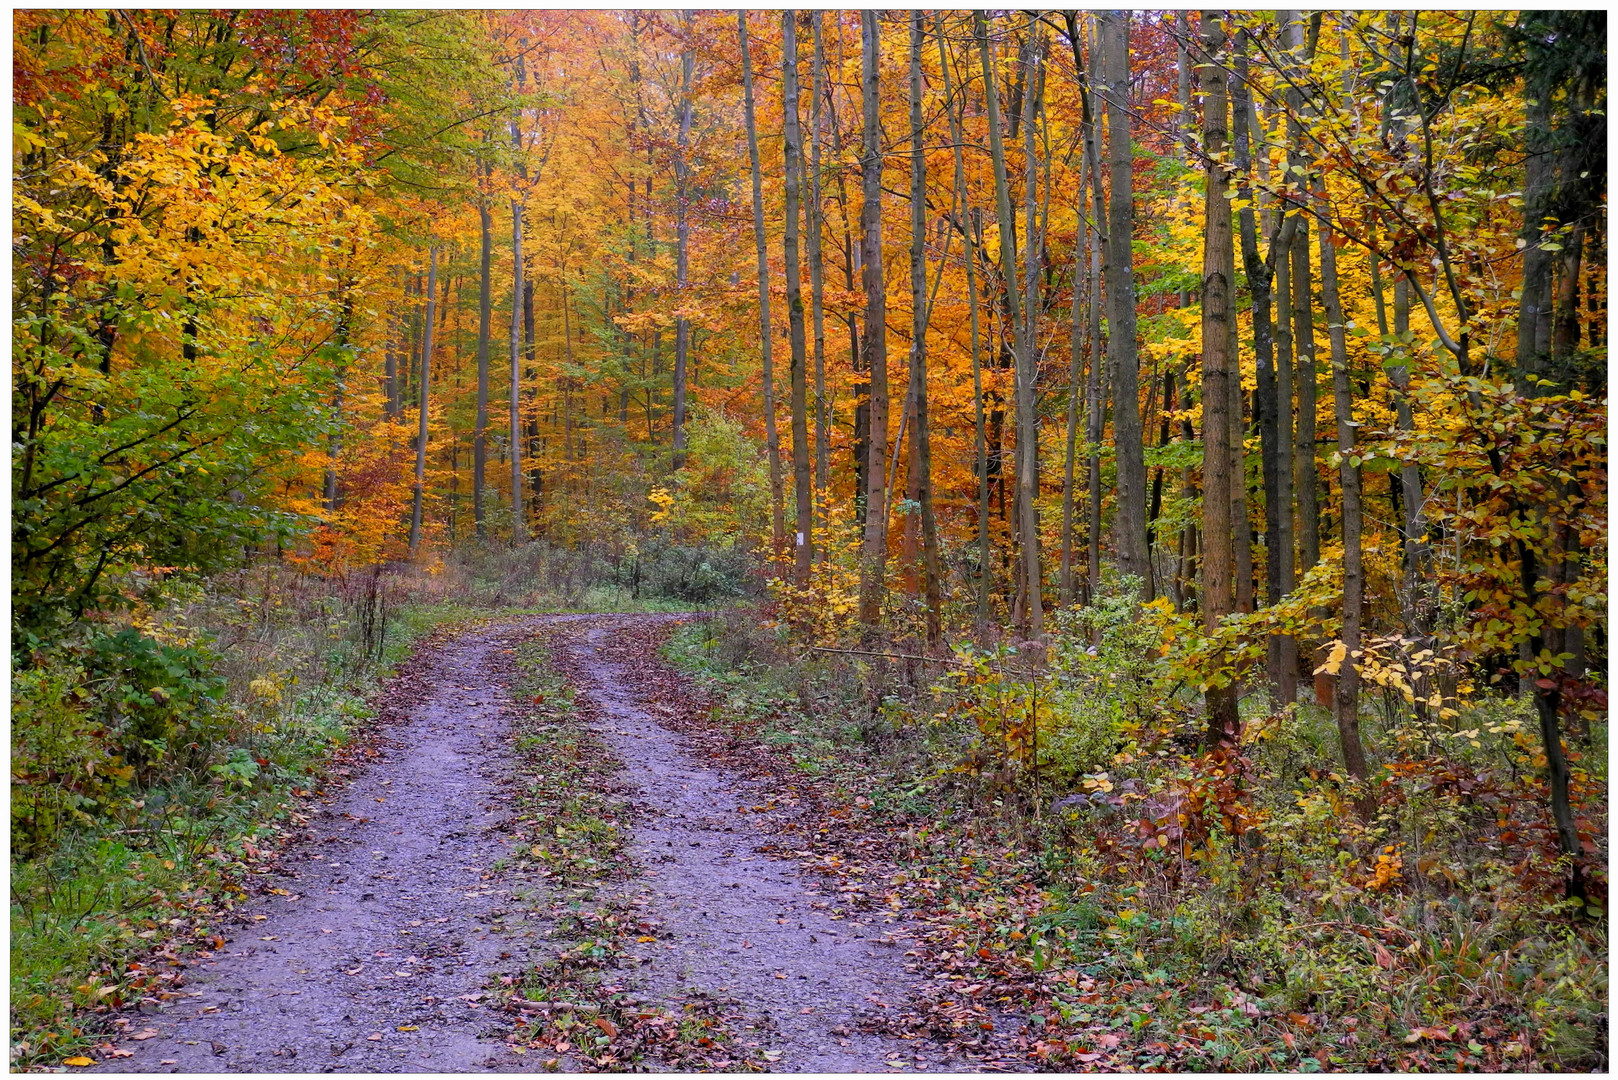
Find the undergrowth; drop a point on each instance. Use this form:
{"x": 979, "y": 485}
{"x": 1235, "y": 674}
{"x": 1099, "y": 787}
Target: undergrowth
{"x": 1073, "y": 855}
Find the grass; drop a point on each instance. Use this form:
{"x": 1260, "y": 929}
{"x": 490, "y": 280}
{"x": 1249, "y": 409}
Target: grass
{"x": 575, "y": 1005}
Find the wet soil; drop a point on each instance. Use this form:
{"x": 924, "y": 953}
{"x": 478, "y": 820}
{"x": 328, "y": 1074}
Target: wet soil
{"x": 401, "y": 910}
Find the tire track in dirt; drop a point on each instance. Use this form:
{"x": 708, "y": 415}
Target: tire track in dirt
{"x": 740, "y": 925}
{"x": 396, "y": 918}
{"x": 401, "y": 910}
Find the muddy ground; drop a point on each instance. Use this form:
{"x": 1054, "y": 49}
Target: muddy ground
{"x": 402, "y": 911}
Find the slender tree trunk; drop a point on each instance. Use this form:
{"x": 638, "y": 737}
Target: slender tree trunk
{"x": 1028, "y": 454}
{"x": 334, "y": 446}
{"x": 480, "y": 431}
{"x": 1123, "y": 354}
{"x": 1305, "y": 479}
{"x": 1272, "y": 408}
{"x": 921, "y": 441}
{"x": 1346, "y": 699}
{"x": 793, "y": 138}
{"x": 1074, "y": 393}
{"x": 1095, "y": 393}
{"x": 772, "y": 442}
{"x": 815, "y": 221}
{"x": 968, "y": 234}
{"x": 1241, "y": 525}
{"x": 1028, "y": 353}
{"x": 1285, "y": 554}
{"x": 421, "y": 409}
{"x": 531, "y": 377}
{"x": 682, "y": 232}
{"x": 875, "y": 349}
{"x": 1218, "y": 561}
{"x": 519, "y": 531}
{"x": 1534, "y": 320}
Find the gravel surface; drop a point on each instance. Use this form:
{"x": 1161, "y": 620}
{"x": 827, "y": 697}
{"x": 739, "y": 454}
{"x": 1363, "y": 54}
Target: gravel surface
{"x": 398, "y": 919}
{"x": 744, "y": 926}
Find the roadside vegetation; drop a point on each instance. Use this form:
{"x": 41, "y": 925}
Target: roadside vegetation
{"x": 159, "y": 760}
{"x": 1079, "y": 865}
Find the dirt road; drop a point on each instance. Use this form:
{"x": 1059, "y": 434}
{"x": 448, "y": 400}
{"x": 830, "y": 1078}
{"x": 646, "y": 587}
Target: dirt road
{"x": 403, "y": 910}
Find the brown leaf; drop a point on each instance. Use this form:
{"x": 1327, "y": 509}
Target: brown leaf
{"x": 608, "y": 1026}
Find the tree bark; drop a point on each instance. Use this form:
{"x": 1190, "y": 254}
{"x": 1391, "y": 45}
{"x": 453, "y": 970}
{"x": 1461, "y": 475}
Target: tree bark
{"x": 1122, "y": 349}
{"x": 969, "y": 236}
{"x": 1074, "y": 393}
{"x": 1346, "y": 698}
{"x": 772, "y": 442}
{"x": 875, "y": 350}
{"x": 682, "y": 234}
{"x": 793, "y": 139}
{"x": 519, "y": 531}
{"x": 417, "y": 490}
{"x": 921, "y": 441}
{"x": 480, "y": 429}
{"x": 1028, "y": 452}
{"x": 1028, "y": 355}
{"x": 815, "y": 222}
{"x": 1273, "y": 411}
{"x": 1218, "y": 560}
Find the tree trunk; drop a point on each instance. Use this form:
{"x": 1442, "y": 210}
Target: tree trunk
{"x": 1539, "y": 171}
{"x": 1346, "y": 699}
{"x": 682, "y": 234}
{"x": 1074, "y": 392}
{"x": 1028, "y": 354}
{"x": 1218, "y": 561}
{"x": 1305, "y": 480}
{"x": 772, "y": 442}
{"x": 969, "y": 236}
{"x": 1122, "y": 350}
{"x": 1027, "y": 453}
{"x": 793, "y": 138}
{"x": 1273, "y": 411}
{"x": 921, "y": 441}
{"x": 519, "y": 530}
{"x": 334, "y": 445}
{"x": 421, "y": 408}
{"x": 480, "y": 430}
{"x": 815, "y": 222}
{"x": 874, "y": 568}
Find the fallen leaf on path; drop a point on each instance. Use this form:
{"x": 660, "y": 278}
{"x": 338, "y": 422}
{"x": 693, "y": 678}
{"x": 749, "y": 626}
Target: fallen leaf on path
{"x": 375, "y": 1036}
{"x": 78, "y": 1062}
{"x": 608, "y": 1026}
{"x": 407, "y": 1027}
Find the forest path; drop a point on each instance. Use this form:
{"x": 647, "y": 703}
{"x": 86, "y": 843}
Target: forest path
{"x": 401, "y": 910}
{"x": 741, "y": 925}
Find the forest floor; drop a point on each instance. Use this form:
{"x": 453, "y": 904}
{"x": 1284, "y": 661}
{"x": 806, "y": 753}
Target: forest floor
{"x": 422, "y": 921}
